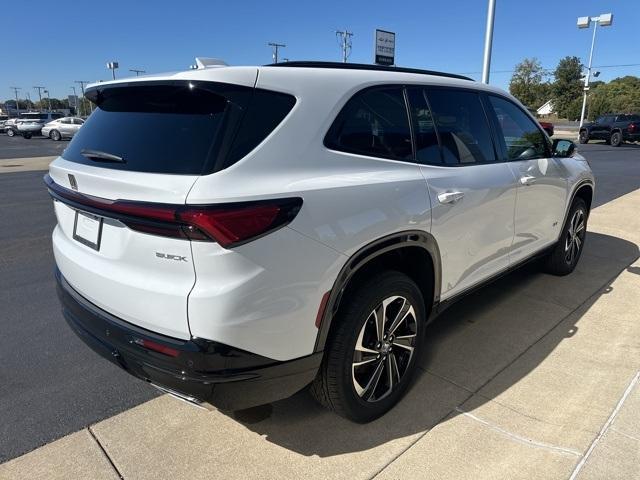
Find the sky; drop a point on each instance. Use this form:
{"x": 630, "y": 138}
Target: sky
{"x": 55, "y": 43}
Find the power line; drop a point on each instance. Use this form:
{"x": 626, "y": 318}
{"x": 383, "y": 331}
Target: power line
{"x": 345, "y": 43}
{"x": 276, "y": 47}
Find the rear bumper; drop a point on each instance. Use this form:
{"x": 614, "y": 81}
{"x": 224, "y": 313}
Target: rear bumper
{"x": 197, "y": 370}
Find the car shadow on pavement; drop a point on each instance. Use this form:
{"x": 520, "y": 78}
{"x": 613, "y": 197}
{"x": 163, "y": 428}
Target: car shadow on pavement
{"x": 467, "y": 346}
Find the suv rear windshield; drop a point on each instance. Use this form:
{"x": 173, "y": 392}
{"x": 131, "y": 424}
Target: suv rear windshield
{"x": 172, "y": 127}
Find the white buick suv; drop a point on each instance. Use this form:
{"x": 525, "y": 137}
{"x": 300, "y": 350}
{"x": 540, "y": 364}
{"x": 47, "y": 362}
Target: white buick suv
{"x": 233, "y": 235}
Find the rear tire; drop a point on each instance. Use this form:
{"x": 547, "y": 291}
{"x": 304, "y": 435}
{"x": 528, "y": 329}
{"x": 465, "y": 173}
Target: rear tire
{"x": 27, "y": 135}
{"x": 565, "y": 254}
{"x": 584, "y": 136}
{"x": 616, "y": 139}
{"x": 368, "y": 365}
{"x": 55, "y": 135}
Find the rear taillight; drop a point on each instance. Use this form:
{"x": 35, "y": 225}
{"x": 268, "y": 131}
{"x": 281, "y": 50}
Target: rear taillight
{"x": 632, "y": 127}
{"x": 229, "y": 224}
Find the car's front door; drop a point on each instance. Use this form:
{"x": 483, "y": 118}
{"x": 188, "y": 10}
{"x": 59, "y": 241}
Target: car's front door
{"x": 472, "y": 194}
{"x": 542, "y": 179}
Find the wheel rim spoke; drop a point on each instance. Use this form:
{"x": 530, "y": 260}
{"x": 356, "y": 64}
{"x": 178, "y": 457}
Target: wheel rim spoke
{"x": 402, "y": 315}
{"x": 405, "y": 341}
{"x": 372, "y": 384}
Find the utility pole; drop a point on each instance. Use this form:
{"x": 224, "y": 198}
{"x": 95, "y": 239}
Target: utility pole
{"x": 345, "y": 43}
{"x": 82, "y": 84}
{"x": 28, "y": 101}
{"x": 137, "y": 72}
{"x": 15, "y": 89}
{"x": 276, "y": 47}
{"x": 488, "y": 41}
{"x": 40, "y": 95}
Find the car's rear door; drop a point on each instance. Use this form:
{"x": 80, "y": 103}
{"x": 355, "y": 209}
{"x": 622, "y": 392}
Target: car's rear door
{"x": 472, "y": 193}
{"x": 542, "y": 182}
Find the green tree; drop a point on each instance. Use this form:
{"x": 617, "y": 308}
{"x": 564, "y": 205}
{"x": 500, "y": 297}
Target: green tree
{"x": 621, "y": 95}
{"x": 527, "y": 83}
{"x": 567, "y": 88}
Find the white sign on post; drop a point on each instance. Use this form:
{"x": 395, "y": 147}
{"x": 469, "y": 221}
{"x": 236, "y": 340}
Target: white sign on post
{"x": 385, "y": 47}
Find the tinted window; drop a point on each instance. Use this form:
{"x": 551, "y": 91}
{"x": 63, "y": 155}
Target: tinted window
{"x": 77, "y": 121}
{"x": 424, "y": 132}
{"x": 374, "y": 122}
{"x": 266, "y": 111}
{"x": 523, "y": 140}
{"x": 462, "y": 126}
{"x": 66, "y": 121}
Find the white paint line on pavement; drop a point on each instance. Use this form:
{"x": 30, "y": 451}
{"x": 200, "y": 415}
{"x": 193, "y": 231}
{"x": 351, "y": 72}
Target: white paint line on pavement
{"x": 518, "y": 438}
{"x": 605, "y": 427}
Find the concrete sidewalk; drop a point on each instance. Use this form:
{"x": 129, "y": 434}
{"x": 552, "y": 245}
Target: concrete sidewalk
{"x": 532, "y": 377}
{"x": 13, "y": 165}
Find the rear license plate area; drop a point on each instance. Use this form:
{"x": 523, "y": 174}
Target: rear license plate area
{"x": 87, "y": 229}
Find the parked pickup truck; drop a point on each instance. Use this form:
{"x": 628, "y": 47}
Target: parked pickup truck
{"x": 612, "y": 128}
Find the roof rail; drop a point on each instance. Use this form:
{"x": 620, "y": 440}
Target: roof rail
{"x": 365, "y": 66}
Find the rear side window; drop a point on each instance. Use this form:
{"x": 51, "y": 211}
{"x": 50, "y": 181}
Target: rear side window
{"x": 523, "y": 140}
{"x": 174, "y": 127}
{"x": 374, "y": 122}
{"x": 424, "y": 131}
{"x": 462, "y": 125}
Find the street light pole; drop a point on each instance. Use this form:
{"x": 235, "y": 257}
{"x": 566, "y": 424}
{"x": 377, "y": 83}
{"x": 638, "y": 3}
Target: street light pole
{"x": 605, "y": 20}
{"x": 488, "y": 41}
{"x": 75, "y": 102}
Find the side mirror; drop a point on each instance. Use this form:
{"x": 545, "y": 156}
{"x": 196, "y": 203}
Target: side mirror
{"x": 563, "y": 148}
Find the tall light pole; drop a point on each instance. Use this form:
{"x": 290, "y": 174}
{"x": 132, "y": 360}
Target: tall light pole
{"x": 488, "y": 41}
{"x": 112, "y": 66}
{"x": 345, "y": 43}
{"x": 75, "y": 104}
{"x": 48, "y": 99}
{"x": 605, "y": 20}
{"x": 15, "y": 90}
{"x": 276, "y": 47}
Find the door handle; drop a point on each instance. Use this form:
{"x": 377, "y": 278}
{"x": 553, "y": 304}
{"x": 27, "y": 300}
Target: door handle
{"x": 450, "y": 197}
{"x": 527, "y": 180}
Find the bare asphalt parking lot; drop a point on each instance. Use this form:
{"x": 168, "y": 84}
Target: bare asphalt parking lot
{"x": 52, "y": 385}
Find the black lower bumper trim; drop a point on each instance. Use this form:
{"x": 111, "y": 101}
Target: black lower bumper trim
{"x": 226, "y": 377}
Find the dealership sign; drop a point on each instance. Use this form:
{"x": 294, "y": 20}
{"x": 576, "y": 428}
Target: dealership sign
{"x": 385, "y": 47}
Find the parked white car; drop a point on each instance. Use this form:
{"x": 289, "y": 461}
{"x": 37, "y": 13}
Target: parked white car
{"x": 234, "y": 234}
{"x": 65, "y": 127}
{"x": 29, "y": 123}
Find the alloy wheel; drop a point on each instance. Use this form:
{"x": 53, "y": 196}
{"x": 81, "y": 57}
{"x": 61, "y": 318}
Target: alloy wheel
{"x": 575, "y": 236}
{"x": 384, "y": 348}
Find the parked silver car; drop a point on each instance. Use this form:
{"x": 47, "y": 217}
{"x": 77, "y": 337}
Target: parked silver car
{"x": 65, "y": 127}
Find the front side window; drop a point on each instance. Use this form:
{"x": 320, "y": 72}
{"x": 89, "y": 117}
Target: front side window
{"x": 462, "y": 125}
{"x": 374, "y": 122}
{"x": 66, "y": 121}
{"x": 523, "y": 140}
{"x": 424, "y": 131}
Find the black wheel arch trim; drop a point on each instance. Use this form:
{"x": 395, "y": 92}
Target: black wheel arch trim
{"x": 577, "y": 187}
{"x": 395, "y": 241}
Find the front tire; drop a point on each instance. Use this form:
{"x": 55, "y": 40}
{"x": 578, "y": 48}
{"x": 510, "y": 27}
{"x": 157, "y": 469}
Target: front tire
{"x": 372, "y": 354}
{"x": 55, "y": 135}
{"x": 584, "y": 136}
{"x": 565, "y": 254}
{"x": 10, "y": 132}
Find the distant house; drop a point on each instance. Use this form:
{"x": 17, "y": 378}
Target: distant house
{"x": 546, "y": 109}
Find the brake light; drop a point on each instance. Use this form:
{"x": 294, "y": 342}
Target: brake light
{"x": 632, "y": 127}
{"x": 228, "y": 224}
